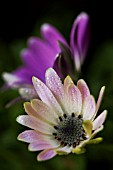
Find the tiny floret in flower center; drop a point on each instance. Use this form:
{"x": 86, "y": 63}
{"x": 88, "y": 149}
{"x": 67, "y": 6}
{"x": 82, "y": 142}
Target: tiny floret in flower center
{"x": 69, "y": 130}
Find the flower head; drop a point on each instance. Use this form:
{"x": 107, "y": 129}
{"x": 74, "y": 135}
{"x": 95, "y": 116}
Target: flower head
{"x": 64, "y": 120}
{"x": 47, "y": 52}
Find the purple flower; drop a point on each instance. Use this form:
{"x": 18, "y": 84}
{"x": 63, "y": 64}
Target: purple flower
{"x": 64, "y": 120}
{"x": 51, "y": 51}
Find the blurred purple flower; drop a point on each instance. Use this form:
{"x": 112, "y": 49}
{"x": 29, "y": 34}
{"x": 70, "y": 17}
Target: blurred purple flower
{"x": 51, "y": 51}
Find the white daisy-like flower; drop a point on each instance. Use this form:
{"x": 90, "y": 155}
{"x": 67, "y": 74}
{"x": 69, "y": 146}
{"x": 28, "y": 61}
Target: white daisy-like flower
{"x": 64, "y": 120}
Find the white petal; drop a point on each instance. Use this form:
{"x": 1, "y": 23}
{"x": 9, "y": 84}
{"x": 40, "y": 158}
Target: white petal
{"x": 97, "y": 123}
{"x": 10, "y": 79}
{"x": 46, "y": 96}
{"x": 28, "y": 93}
{"x": 65, "y": 149}
{"x": 89, "y": 108}
{"x": 54, "y": 83}
{"x": 35, "y": 124}
{"x": 44, "y": 111}
{"x": 67, "y": 82}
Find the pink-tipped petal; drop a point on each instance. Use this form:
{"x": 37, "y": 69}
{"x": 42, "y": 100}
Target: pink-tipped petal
{"x": 74, "y": 100}
{"x": 52, "y": 36}
{"x": 89, "y": 108}
{"x": 35, "y": 124}
{"x": 99, "y": 100}
{"x": 82, "y": 86}
{"x": 36, "y": 109}
{"x": 31, "y": 136}
{"x": 43, "y": 144}
{"x": 44, "y": 111}
{"x": 98, "y": 122}
{"x": 46, "y": 154}
{"x": 54, "y": 83}
{"x": 46, "y": 95}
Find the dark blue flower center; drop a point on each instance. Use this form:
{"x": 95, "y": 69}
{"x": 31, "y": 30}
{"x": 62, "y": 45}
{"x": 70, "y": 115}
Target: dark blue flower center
{"x": 70, "y": 130}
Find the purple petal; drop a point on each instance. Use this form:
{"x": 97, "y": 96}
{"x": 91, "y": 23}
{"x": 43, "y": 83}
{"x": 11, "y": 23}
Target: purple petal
{"x": 22, "y": 75}
{"x": 79, "y": 38}
{"x": 61, "y": 67}
{"x": 67, "y": 55}
{"x": 25, "y": 74}
{"x": 33, "y": 64}
{"x": 38, "y": 57}
{"x": 29, "y": 59}
{"x": 42, "y": 54}
{"x": 43, "y": 51}
{"x": 57, "y": 66}
{"x": 52, "y": 35}
{"x": 46, "y": 154}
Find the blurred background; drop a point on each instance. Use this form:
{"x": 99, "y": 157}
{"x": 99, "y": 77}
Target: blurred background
{"x": 19, "y": 21}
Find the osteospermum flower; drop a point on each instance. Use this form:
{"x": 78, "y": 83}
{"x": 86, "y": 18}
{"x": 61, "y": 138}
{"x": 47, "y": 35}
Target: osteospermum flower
{"x": 64, "y": 120}
{"x": 46, "y": 52}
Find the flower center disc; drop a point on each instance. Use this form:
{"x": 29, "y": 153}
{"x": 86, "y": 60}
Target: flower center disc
{"x": 70, "y": 131}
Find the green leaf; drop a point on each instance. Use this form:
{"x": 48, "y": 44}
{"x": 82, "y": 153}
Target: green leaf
{"x": 95, "y": 141}
{"x": 78, "y": 150}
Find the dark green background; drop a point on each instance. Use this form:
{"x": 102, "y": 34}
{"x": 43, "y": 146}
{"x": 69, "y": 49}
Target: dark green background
{"x": 19, "y": 21}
